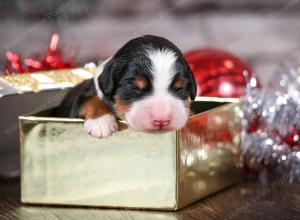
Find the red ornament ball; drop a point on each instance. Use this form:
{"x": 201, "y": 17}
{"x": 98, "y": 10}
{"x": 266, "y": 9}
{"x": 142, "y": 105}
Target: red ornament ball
{"x": 218, "y": 73}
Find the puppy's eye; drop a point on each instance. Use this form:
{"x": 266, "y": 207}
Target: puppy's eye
{"x": 140, "y": 82}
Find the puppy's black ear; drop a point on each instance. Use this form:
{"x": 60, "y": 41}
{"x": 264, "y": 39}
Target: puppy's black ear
{"x": 193, "y": 89}
{"x": 106, "y": 79}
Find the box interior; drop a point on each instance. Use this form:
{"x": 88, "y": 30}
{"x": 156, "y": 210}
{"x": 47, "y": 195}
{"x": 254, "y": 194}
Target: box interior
{"x": 198, "y": 107}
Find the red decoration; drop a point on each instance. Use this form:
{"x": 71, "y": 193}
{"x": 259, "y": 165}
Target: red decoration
{"x": 218, "y": 73}
{"x": 293, "y": 139}
{"x": 52, "y": 59}
{"x": 254, "y": 124}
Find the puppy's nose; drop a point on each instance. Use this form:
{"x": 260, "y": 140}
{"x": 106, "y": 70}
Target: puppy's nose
{"x": 161, "y": 123}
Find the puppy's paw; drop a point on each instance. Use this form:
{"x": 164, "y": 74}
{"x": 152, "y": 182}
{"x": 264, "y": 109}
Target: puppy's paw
{"x": 101, "y": 127}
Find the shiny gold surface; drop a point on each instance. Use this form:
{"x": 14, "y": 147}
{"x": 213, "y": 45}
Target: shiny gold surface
{"x": 61, "y": 165}
{"x": 209, "y": 153}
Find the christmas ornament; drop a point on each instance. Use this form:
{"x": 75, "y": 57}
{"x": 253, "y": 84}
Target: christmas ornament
{"x": 218, "y": 73}
{"x": 51, "y": 60}
{"x": 271, "y": 124}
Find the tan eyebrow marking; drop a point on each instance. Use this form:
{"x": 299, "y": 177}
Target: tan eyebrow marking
{"x": 140, "y": 82}
{"x": 179, "y": 83}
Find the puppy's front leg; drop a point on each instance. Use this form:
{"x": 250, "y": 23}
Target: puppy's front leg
{"x": 99, "y": 120}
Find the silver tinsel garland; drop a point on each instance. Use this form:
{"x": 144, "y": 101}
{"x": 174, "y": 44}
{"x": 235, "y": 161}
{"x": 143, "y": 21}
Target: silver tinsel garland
{"x": 271, "y": 123}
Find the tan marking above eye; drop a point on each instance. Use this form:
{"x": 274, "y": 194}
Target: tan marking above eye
{"x": 140, "y": 82}
{"x": 179, "y": 83}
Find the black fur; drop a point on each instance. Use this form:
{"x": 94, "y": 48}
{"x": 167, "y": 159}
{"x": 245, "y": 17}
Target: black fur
{"x": 119, "y": 73}
{"x": 70, "y": 106}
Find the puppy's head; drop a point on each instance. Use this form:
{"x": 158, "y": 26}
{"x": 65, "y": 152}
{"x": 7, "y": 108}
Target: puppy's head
{"x": 149, "y": 84}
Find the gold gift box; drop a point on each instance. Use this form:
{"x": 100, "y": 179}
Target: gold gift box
{"x": 61, "y": 165}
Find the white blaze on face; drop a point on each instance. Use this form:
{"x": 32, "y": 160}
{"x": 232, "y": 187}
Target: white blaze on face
{"x": 163, "y": 69}
{"x": 161, "y": 110}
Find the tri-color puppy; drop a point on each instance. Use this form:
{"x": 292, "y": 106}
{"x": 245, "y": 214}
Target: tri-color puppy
{"x": 147, "y": 83}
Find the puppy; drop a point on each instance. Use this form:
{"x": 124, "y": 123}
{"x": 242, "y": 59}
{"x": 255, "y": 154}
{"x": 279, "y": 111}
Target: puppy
{"x": 147, "y": 83}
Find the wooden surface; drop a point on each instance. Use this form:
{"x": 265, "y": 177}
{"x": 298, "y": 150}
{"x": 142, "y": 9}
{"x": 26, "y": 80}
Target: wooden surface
{"x": 246, "y": 200}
